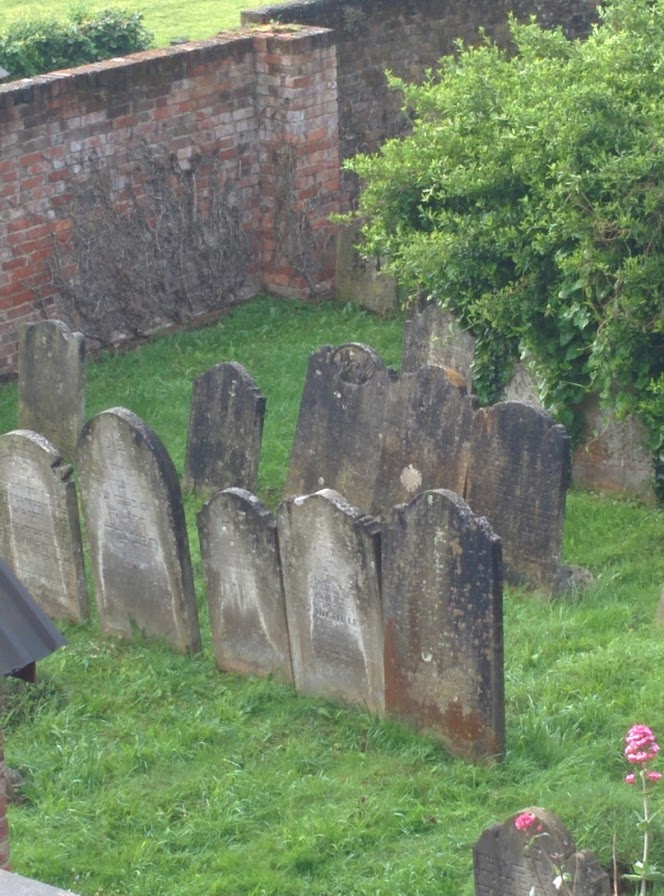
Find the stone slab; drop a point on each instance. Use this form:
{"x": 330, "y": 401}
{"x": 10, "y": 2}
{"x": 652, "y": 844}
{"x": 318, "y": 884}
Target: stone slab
{"x": 40, "y": 533}
{"x": 136, "y": 531}
{"x": 51, "y": 383}
{"x": 238, "y": 538}
{"x": 330, "y": 556}
{"x": 442, "y": 608}
{"x": 225, "y": 430}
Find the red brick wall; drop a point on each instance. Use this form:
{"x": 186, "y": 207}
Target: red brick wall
{"x": 143, "y": 192}
{"x": 4, "y": 830}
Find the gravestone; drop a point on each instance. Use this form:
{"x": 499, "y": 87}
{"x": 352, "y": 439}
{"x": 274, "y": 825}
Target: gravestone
{"x": 613, "y": 454}
{"x": 40, "y": 534}
{"x": 225, "y": 430}
{"x": 442, "y": 610}
{"x": 362, "y": 280}
{"x": 512, "y": 862}
{"x": 136, "y": 531}
{"x": 238, "y": 537}
{"x": 51, "y": 383}
{"x": 433, "y": 337}
{"x": 330, "y": 556}
{"x": 338, "y": 440}
{"x": 518, "y": 477}
{"x": 426, "y": 437}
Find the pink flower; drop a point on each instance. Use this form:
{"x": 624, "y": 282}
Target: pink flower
{"x": 641, "y": 745}
{"x": 654, "y": 776}
{"x": 630, "y": 779}
{"x": 524, "y": 821}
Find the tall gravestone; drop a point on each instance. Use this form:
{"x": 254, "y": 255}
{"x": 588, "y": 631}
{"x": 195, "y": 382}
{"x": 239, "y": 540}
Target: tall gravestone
{"x": 40, "y": 534}
{"x": 509, "y": 861}
{"x": 442, "y": 609}
{"x": 225, "y": 430}
{"x": 238, "y": 537}
{"x": 425, "y": 441}
{"x": 51, "y": 383}
{"x": 338, "y": 440}
{"x": 136, "y": 531}
{"x": 433, "y": 337}
{"x": 330, "y": 555}
{"x": 518, "y": 477}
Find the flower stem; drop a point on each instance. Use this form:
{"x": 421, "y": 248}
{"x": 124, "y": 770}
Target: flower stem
{"x": 646, "y": 822}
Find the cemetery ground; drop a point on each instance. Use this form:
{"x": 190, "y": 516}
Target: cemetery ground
{"x": 167, "y": 20}
{"x": 147, "y": 773}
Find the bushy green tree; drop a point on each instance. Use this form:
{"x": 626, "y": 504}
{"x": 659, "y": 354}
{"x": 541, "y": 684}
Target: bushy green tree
{"x": 529, "y": 200}
{"x": 34, "y": 46}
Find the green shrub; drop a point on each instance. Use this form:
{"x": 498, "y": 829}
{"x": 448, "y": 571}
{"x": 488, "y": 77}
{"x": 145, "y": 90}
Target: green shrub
{"x": 529, "y": 201}
{"x": 34, "y": 46}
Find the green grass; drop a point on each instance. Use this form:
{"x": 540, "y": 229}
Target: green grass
{"x": 167, "y": 19}
{"x": 152, "y": 774}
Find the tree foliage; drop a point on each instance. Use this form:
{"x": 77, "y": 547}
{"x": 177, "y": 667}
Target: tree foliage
{"x": 528, "y": 200}
{"x": 34, "y": 46}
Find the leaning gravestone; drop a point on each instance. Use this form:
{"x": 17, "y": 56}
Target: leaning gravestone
{"x": 225, "y": 430}
{"x": 51, "y": 383}
{"x": 433, "y": 337}
{"x": 509, "y": 861}
{"x": 40, "y": 534}
{"x": 442, "y": 610}
{"x": 428, "y": 419}
{"x": 330, "y": 556}
{"x": 518, "y": 477}
{"x": 136, "y": 530}
{"x": 338, "y": 440}
{"x": 238, "y": 537}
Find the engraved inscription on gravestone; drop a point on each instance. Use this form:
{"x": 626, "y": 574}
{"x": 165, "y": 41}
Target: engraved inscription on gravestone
{"x": 136, "y": 530}
{"x": 51, "y": 383}
{"x": 40, "y": 535}
{"x": 442, "y": 608}
{"x": 330, "y": 555}
{"x": 238, "y": 538}
{"x": 225, "y": 430}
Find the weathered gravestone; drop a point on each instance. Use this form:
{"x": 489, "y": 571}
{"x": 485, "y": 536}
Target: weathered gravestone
{"x": 375, "y": 438}
{"x": 40, "y": 534}
{"x": 427, "y": 422}
{"x": 238, "y": 537}
{"x": 338, "y": 440}
{"x": 360, "y": 279}
{"x": 51, "y": 383}
{"x": 509, "y": 861}
{"x": 518, "y": 477}
{"x": 433, "y": 337}
{"x": 225, "y": 430}
{"x": 442, "y": 610}
{"x": 136, "y": 531}
{"x": 330, "y": 556}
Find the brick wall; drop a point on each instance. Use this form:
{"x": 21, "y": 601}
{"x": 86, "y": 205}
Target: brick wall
{"x": 140, "y": 193}
{"x": 4, "y": 830}
{"x": 406, "y": 37}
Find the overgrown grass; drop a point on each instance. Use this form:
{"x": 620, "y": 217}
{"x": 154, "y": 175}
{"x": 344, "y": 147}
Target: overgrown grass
{"x": 167, "y": 19}
{"x": 151, "y": 774}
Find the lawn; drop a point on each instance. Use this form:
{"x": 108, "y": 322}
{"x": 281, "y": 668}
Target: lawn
{"x": 167, "y": 19}
{"x": 151, "y": 774}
